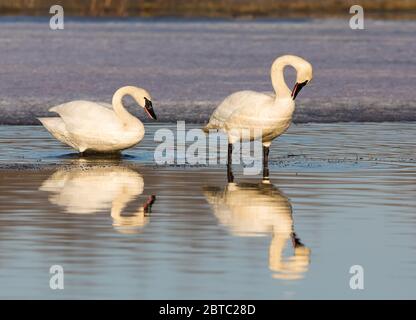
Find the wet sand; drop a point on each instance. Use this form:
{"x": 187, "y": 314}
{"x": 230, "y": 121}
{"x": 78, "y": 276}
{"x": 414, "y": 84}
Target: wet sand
{"x": 335, "y": 199}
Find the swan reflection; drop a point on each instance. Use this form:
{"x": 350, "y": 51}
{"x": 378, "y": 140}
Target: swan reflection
{"x": 249, "y": 209}
{"x": 95, "y": 189}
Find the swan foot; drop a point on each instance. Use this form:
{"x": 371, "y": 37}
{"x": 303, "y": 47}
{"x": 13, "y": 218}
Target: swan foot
{"x": 266, "y": 176}
{"x": 96, "y": 154}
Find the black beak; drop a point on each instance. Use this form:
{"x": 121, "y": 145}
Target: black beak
{"x": 297, "y": 88}
{"x": 149, "y": 109}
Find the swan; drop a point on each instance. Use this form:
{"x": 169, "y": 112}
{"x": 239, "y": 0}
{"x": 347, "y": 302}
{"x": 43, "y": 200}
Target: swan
{"x": 99, "y": 127}
{"x": 271, "y": 113}
{"x": 90, "y": 190}
{"x": 252, "y": 210}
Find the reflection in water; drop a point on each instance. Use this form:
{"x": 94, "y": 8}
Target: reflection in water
{"x": 95, "y": 189}
{"x": 248, "y": 209}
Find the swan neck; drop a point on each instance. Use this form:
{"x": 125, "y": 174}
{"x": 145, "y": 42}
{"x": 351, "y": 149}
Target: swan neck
{"x": 278, "y": 79}
{"x": 276, "y": 248}
{"x": 118, "y": 205}
{"x": 118, "y": 106}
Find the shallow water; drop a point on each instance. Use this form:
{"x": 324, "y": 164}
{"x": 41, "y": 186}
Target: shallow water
{"x": 320, "y": 144}
{"x": 127, "y": 229}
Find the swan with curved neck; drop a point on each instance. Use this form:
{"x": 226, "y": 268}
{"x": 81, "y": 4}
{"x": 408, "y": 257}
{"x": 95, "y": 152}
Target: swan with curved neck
{"x": 99, "y": 127}
{"x": 263, "y": 116}
{"x": 95, "y": 189}
{"x": 252, "y": 210}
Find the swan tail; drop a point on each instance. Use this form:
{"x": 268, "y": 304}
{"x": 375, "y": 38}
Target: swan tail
{"x": 56, "y": 108}
{"x": 206, "y": 129}
{"x": 58, "y": 129}
{"x": 53, "y": 124}
{"x": 55, "y": 182}
{"x": 209, "y": 127}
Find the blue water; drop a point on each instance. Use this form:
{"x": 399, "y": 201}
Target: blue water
{"x": 349, "y": 201}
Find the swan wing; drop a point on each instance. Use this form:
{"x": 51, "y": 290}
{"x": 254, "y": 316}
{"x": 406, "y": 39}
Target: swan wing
{"x": 86, "y": 118}
{"x": 57, "y": 128}
{"x": 234, "y": 104}
{"x": 106, "y": 105}
{"x": 253, "y": 111}
{"x": 225, "y": 109}
{"x": 251, "y": 209}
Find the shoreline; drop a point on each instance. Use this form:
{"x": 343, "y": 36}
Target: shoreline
{"x": 287, "y": 165}
{"x": 303, "y": 148}
{"x": 25, "y": 112}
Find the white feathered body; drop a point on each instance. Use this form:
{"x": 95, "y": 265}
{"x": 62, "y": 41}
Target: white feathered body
{"x": 259, "y": 114}
{"x": 251, "y": 209}
{"x": 91, "y": 126}
{"x": 89, "y": 191}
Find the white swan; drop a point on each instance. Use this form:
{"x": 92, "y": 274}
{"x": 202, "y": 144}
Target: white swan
{"x": 96, "y": 189}
{"x": 250, "y": 110}
{"x": 100, "y": 127}
{"x": 249, "y": 210}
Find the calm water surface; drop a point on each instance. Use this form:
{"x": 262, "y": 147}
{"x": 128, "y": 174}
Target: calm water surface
{"x": 124, "y": 228}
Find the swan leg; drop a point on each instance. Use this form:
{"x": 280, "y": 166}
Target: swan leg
{"x": 147, "y": 207}
{"x": 230, "y": 176}
{"x": 230, "y": 154}
{"x": 266, "y": 162}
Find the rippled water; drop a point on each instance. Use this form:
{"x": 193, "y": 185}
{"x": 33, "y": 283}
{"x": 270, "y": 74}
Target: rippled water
{"x": 124, "y": 228}
{"x": 320, "y": 144}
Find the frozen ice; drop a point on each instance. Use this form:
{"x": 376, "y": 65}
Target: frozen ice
{"x": 190, "y": 66}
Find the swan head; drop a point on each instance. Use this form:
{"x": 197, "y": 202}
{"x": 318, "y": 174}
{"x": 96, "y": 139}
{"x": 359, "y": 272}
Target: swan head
{"x": 144, "y": 99}
{"x": 141, "y": 96}
{"x": 148, "y": 107}
{"x": 303, "y": 77}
